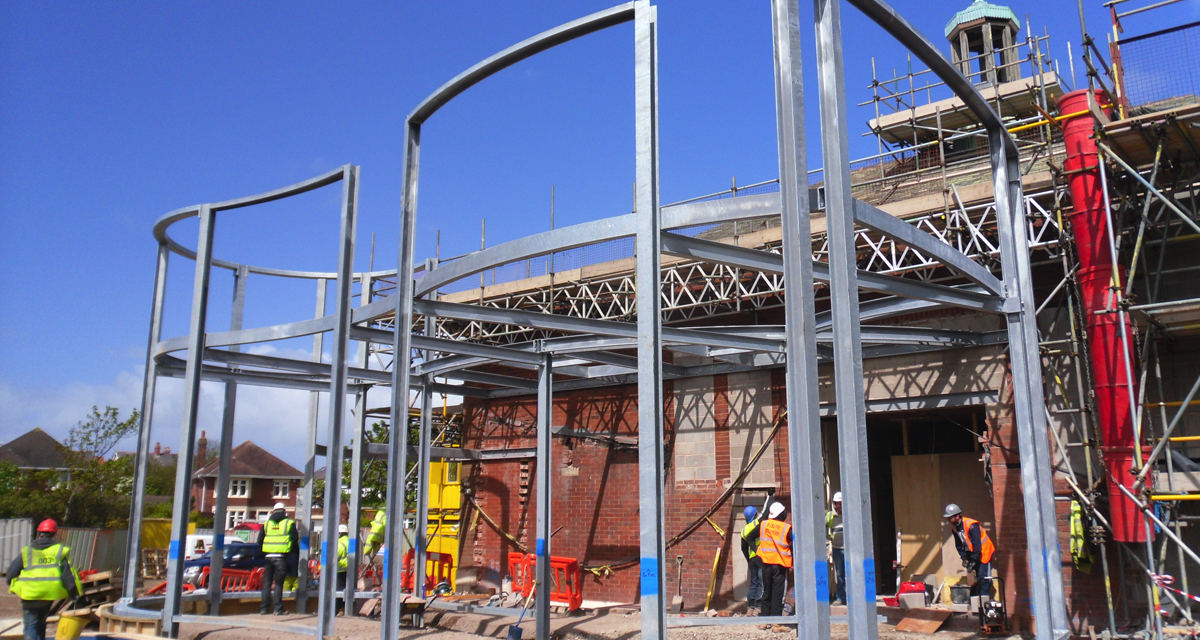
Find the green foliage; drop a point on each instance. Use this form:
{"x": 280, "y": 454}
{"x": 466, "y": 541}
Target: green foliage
{"x": 158, "y": 510}
{"x": 93, "y": 493}
{"x": 374, "y": 477}
{"x": 202, "y": 520}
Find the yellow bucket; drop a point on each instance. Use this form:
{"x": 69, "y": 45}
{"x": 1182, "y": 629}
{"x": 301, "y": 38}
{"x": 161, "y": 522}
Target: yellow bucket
{"x": 69, "y": 628}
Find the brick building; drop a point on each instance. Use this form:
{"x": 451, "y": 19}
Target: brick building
{"x": 257, "y": 480}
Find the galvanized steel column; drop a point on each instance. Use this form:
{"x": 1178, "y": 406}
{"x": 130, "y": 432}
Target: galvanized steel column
{"x": 420, "y": 536}
{"x": 133, "y": 549}
{"x": 401, "y": 361}
{"x": 847, "y": 341}
{"x": 1037, "y": 482}
{"x": 304, "y": 501}
{"x": 187, "y": 431}
{"x": 335, "y": 442}
{"x": 217, "y": 562}
{"x": 356, "y": 464}
{"x": 805, "y": 463}
{"x": 545, "y": 416}
{"x": 649, "y": 322}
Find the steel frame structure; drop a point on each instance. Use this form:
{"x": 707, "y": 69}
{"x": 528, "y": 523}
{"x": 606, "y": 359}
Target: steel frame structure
{"x": 571, "y": 351}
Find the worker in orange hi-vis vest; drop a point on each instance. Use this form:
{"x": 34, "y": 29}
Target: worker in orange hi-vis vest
{"x": 775, "y": 549}
{"x": 974, "y": 547}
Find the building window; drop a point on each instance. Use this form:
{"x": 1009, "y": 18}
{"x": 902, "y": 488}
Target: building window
{"x": 282, "y": 487}
{"x": 262, "y": 515}
{"x": 239, "y": 489}
{"x": 234, "y": 517}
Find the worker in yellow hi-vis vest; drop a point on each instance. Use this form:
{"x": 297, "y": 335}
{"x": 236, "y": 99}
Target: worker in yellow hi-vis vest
{"x": 279, "y": 539}
{"x": 375, "y": 538}
{"x": 41, "y": 575}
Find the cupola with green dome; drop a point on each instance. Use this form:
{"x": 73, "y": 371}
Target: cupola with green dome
{"x": 982, "y": 42}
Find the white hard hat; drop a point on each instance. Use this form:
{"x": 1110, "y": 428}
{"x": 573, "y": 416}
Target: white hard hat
{"x": 837, "y": 497}
{"x": 776, "y": 509}
{"x": 343, "y": 529}
{"x": 279, "y": 507}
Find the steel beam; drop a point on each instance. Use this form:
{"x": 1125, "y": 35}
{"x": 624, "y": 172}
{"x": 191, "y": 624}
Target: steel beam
{"x": 339, "y": 361}
{"x": 544, "y": 574}
{"x": 649, "y": 332}
{"x": 895, "y": 228}
{"x": 402, "y": 360}
{"x": 133, "y": 548}
{"x": 358, "y": 448}
{"x": 304, "y": 501}
{"x": 805, "y": 464}
{"x": 843, "y": 289}
{"x": 225, "y": 456}
{"x": 497, "y": 315}
{"x": 187, "y": 433}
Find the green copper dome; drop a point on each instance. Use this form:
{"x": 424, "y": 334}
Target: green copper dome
{"x": 979, "y": 9}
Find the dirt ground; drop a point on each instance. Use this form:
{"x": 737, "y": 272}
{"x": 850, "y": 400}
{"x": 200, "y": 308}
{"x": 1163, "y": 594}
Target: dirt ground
{"x": 599, "y": 626}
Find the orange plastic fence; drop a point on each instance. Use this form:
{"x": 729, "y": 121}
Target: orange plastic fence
{"x": 566, "y": 576}
{"x": 438, "y": 567}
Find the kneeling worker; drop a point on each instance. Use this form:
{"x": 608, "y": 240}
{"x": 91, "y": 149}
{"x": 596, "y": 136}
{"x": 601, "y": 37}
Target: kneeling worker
{"x": 974, "y": 547}
{"x": 41, "y": 575}
{"x": 774, "y": 538}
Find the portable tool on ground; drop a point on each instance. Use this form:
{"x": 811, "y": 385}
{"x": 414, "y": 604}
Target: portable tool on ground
{"x": 514, "y": 631}
{"x": 993, "y": 614}
{"x": 677, "y": 601}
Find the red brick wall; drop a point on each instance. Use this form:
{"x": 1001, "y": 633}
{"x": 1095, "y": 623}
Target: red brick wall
{"x": 596, "y": 500}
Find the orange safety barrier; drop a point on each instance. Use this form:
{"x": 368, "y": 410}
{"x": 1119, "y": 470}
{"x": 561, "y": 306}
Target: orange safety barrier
{"x": 566, "y": 575}
{"x": 438, "y": 567}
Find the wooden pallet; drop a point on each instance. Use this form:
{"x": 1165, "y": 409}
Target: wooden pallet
{"x": 112, "y": 623}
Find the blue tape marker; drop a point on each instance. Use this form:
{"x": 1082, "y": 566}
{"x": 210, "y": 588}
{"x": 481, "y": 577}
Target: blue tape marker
{"x": 173, "y": 550}
{"x": 869, "y": 579}
{"x": 541, "y": 547}
{"x": 385, "y": 564}
{"x": 304, "y": 543}
{"x": 649, "y": 576}
{"x": 219, "y": 543}
{"x": 821, "y": 569}
{"x": 325, "y": 550}
{"x": 352, "y": 547}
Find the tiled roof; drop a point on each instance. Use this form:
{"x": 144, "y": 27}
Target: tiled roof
{"x": 979, "y": 10}
{"x": 34, "y": 450}
{"x": 252, "y": 461}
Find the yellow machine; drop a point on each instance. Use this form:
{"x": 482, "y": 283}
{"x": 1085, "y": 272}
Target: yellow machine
{"x": 445, "y": 500}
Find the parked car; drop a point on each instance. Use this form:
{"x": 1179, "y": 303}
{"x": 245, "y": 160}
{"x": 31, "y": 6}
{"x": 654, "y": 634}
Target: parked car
{"x": 238, "y": 555}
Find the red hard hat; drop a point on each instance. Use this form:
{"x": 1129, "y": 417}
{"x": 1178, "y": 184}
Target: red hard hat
{"x": 48, "y": 526}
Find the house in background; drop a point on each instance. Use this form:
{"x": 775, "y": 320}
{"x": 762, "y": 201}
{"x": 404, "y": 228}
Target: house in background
{"x": 36, "y": 450}
{"x": 257, "y": 480}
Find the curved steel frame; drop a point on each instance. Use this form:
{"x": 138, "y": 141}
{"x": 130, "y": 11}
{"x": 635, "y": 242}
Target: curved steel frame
{"x": 795, "y": 344}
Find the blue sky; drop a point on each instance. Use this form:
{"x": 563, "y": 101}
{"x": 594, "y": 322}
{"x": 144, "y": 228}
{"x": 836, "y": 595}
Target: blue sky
{"x": 113, "y": 114}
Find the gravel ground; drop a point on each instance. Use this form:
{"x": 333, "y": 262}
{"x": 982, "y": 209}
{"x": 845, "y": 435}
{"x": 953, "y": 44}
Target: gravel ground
{"x": 600, "y": 626}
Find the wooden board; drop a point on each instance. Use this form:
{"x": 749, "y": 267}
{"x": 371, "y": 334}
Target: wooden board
{"x": 923, "y": 620}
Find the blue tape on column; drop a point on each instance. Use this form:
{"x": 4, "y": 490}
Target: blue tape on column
{"x": 173, "y": 550}
{"x": 325, "y": 551}
{"x": 385, "y": 564}
{"x": 219, "y": 543}
{"x": 352, "y": 547}
{"x": 649, "y": 576}
{"x": 821, "y": 569}
{"x": 541, "y": 547}
{"x": 304, "y": 543}
{"x": 869, "y": 579}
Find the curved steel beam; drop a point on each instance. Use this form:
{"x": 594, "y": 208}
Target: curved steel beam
{"x": 518, "y": 52}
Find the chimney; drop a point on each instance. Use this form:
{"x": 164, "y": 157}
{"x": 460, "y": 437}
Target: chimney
{"x": 201, "y": 451}
{"x": 157, "y": 448}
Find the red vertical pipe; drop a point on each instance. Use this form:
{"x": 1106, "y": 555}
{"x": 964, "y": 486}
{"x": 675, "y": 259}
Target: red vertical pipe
{"x": 1098, "y": 277}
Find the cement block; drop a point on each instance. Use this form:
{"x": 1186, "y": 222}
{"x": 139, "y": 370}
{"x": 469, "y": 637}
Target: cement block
{"x": 911, "y": 600}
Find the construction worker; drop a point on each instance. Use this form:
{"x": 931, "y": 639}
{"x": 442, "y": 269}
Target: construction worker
{"x": 974, "y": 547}
{"x": 279, "y": 540}
{"x": 41, "y": 575}
{"x": 375, "y": 539}
{"x": 837, "y": 544}
{"x": 774, "y": 538}
{"x": 343, "y": 555}
{"x": 753, "y": 564}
